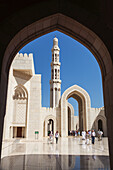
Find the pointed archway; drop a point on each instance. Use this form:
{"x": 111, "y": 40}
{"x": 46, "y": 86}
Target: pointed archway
{"x": 50, "y": 124}
{"x": 84, "y": 108}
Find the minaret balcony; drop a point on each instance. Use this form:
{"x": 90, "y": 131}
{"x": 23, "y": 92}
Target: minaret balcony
{"x": 55, "y": 63}
{"x": 55, "y": 81}
{"x": 55, "y": 48}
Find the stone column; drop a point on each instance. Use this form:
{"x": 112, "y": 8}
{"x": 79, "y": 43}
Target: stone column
{"x": 108, "y": 96}
{"x": 54, "y": 127}
{"x": 23, "y": 129}
{"x": 72, "y": 121}
{"x": 64, "y": 119}
{"x": 46, "y": 124}
{"x": 11, "y": 132}
{"x": 15, "y": 132}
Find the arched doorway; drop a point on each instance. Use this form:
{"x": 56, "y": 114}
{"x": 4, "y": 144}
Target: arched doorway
{"x": 84, "y": 105}
{"x": 69, "y": 120}
{"x": 78, "y": 32}
{"x": 70, "y": 110}
{"x": 50, "y": 128}
{"x": 50, "y": 124}
{"x": 100, "y": 125}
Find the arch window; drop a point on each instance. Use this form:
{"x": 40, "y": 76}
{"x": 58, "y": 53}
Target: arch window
{"x": 55, "y": 73}
{"x": 50, "y": 126}
{"x": 100, "y": 126}
{"x": 19, "y": 93}
{"x": 52, "y": 75}
{"x": 58, "y": 74}
{"x": 55, "y": 57}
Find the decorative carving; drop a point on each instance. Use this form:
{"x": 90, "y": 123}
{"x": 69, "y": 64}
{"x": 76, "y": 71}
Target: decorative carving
{"x": 20, "y": 92}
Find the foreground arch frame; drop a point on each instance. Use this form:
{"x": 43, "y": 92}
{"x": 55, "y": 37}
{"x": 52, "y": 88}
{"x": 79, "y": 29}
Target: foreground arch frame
{"x": 77, "y": 31}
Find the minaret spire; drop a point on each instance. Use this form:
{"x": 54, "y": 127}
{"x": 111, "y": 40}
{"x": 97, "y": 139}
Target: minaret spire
{"x": 55, "y": 82}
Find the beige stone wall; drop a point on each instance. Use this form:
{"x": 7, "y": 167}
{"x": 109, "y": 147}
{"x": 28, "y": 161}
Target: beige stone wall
{"x": 34, "y": 105}
{"x": 99, "y": 114}
{"x": 20, "y": 73}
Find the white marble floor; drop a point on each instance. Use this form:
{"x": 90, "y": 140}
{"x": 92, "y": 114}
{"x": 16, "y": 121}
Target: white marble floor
{"x": 65, "y": 146}
{"x": 66, "y": 150}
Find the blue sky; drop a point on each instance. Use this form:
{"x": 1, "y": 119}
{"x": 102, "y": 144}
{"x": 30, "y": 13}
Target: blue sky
{"x": 78, "y": 66}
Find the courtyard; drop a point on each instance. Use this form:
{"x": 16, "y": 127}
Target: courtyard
{"x": 69, "y": 153}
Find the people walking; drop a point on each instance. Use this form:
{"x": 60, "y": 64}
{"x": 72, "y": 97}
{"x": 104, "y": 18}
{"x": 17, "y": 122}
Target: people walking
{"x": 83, "y": 135}
{"x": 75, "y": 133}
{"x": 100, "y": 133}
{"x": 93, "y": 136}
{"x": 89, "y": 131}
{"x": 56, "y": 136}
{"x": 78, "y": 133}
{"x": 87, "y": 137}
{"x": 51, "y": 137}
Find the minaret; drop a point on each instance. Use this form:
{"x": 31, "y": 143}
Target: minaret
{"x": 55, "y": 82}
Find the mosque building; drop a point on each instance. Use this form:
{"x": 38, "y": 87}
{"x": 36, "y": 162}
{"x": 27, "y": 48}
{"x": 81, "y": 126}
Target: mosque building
{"x": 25, "y": 115}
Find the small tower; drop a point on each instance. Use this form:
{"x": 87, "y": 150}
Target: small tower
{"x": 55, "y": 82}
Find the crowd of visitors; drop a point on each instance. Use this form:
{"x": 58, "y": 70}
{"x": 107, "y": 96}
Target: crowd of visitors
{"x": 86, "y": 135}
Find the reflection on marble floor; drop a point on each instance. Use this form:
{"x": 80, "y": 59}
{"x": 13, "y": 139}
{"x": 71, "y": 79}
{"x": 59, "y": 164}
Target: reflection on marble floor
{"x": 54, "y": 162}
{"x": 69, "y": 153}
